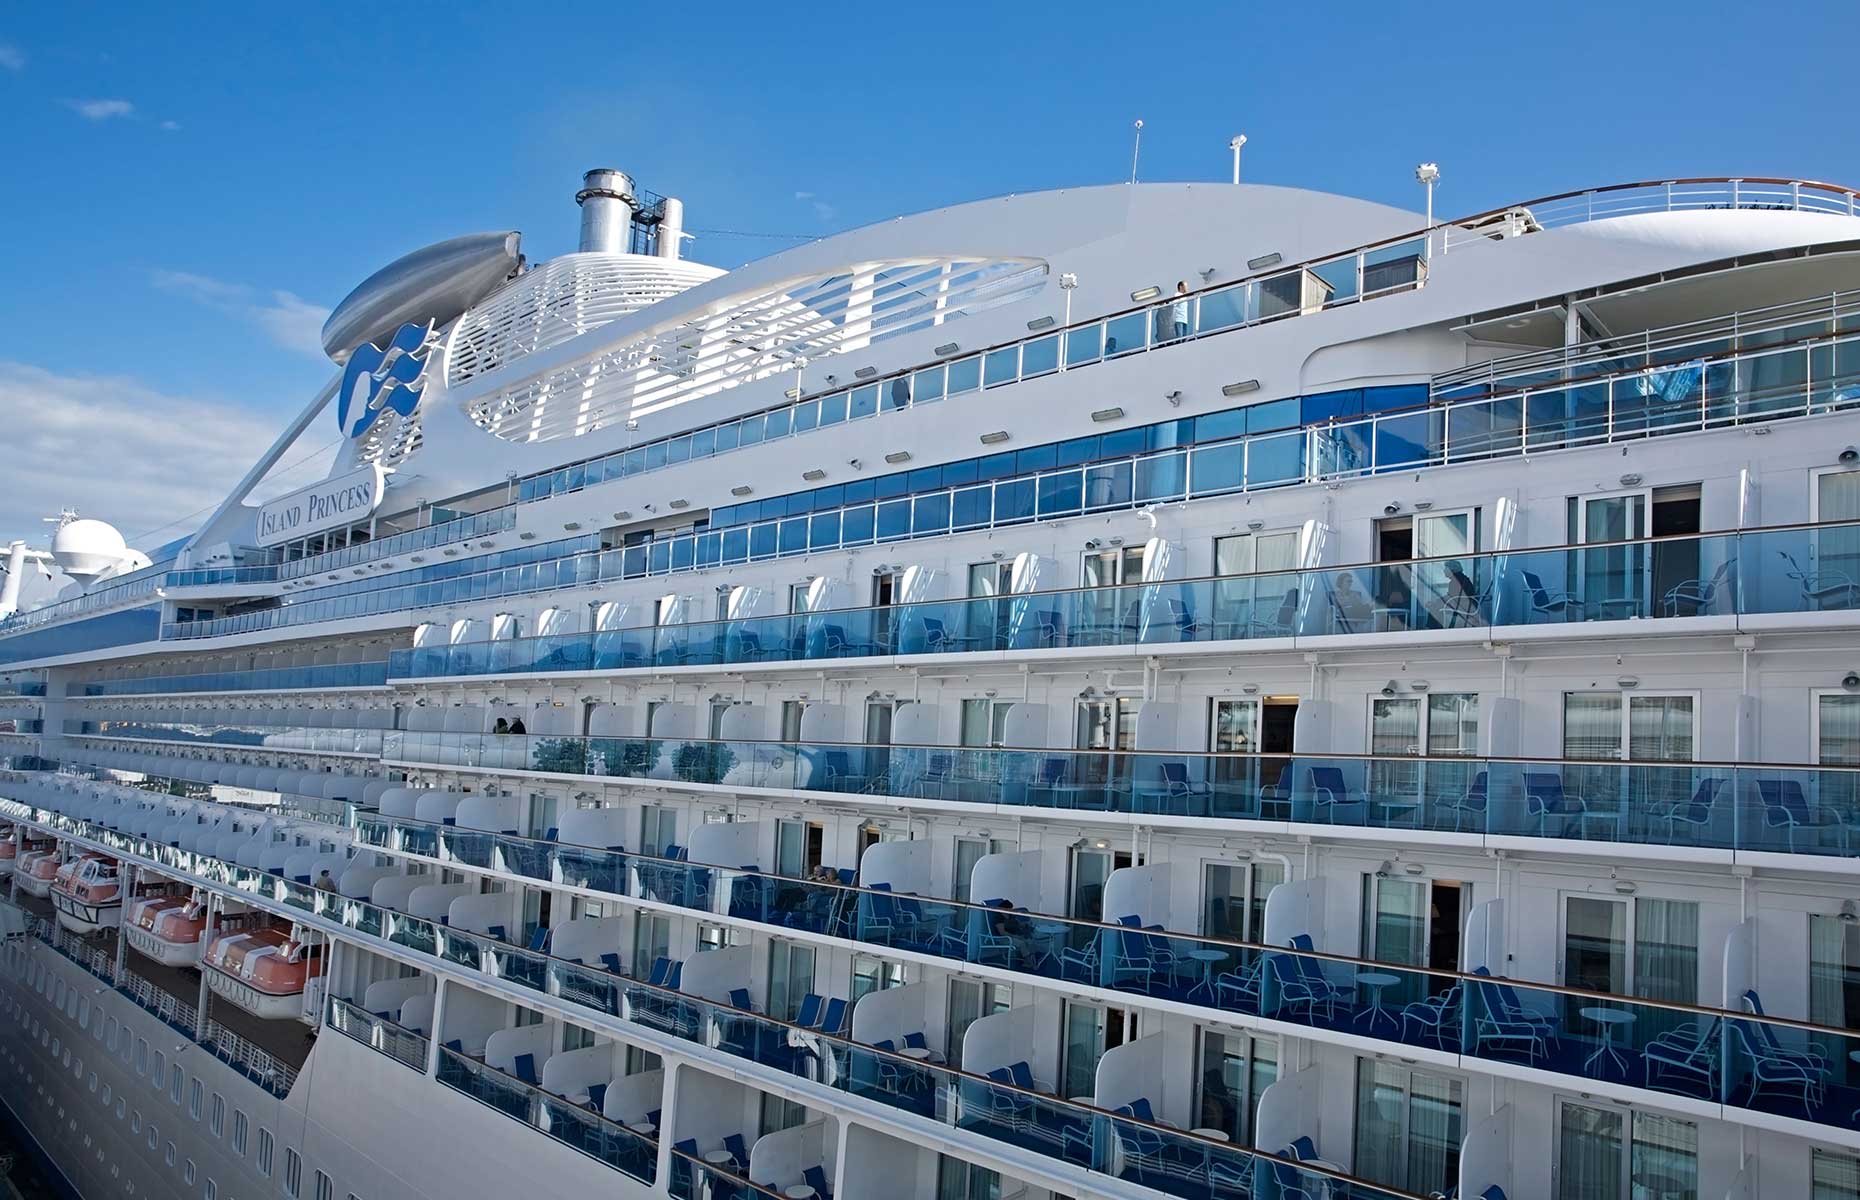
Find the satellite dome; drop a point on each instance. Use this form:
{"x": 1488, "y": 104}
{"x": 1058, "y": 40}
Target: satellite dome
{"x": 84, "y": 549}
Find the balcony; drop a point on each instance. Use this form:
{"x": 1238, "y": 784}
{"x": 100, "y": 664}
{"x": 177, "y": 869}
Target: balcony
{"x": 277, "y": 679}
{"x": 1741, "y": 1060}
{"x": 1732, "y": 810}
{"x": 378, "y": 1033}
{"x": 1756, "y": 579}
{"x": 630, "y": 1153}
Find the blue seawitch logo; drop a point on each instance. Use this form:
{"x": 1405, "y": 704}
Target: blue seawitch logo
{"x": 376, "y": 380}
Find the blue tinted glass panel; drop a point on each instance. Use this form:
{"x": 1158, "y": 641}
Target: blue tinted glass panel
{"x": 735, "y": 545}
{"x": 1014, "y": 501}
{"x": 794, "y": 535}
{"x": 1060, "y": 492}
{"x": 823, "y": 533}
{"x": 928, "y": 385}
{"x": 998, "y": 466}
{"x": 749, "y": 430}
{"x": 972, "y": 507}
{"x": 1107, "y": 485}
{"x": 1036, "y": 458}
{"x": 703, "y": 443}
{"x": 679, "y": 449}
{"x": 1272, "y": 415}
{"x": 1222, "y": 309}
{"x": 1084, "y": 345}
{"x": 1126, "y": 333}
{"x": 965, "y": 376}
{"x": 777, "y": 424}
{"x": 856, "y": 525}
{"x": 1002, "y": 366}
{"x": 1218, "y": 468}
{"x": 930, "y": 514}
{"x": 966, "y": 471}
{"x": 894, "y": 519}
{"x": 1039, "y": 356}
{"x": 1273, "y": 460}
{"x": 865, "y": 400}
{"x": 833, "y": 409}
{"x": 1161, "y": 477}
{"x": 762, "y": 540}
{"x": 1076, "y": 451}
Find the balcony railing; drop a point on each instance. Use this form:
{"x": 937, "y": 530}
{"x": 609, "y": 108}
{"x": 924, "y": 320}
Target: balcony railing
{"x": 1737, "y": 1059}
{"x": 295, "y": 738}
{"x": 331, "y": 675}
{"x": 254, "y": 1062}
{"x": 1770, "y": 808}
{"x": 378, "y": 1033}
{"x": 1780, "y": 570}
{"x": 574, "y": 1126}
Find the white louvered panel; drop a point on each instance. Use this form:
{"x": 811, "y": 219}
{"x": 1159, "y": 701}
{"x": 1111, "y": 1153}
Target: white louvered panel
{"x": 561, "y": 299}
{"x": 758, "y": 336}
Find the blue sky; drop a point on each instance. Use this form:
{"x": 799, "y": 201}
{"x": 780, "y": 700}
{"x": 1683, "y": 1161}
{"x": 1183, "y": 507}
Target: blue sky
{"x": 189, "y": 189}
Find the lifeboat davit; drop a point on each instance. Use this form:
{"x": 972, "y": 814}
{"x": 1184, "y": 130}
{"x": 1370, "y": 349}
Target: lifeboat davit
{"x": 263, "y": 970}
{"x": 88, "y": 894}
{"x": 35, "y": 869}
{"x": 166, "y": 928}
{"x": 9, "y": 850}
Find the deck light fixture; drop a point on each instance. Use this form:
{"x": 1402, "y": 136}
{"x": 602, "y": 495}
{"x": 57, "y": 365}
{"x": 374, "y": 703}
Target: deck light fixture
{"x": 865, "y": 372}
{"x": 741, "y": 489}
{"x": 813, "y": 475}
{"x": 1107, "y": 414}
{"x": 1240, "y": 387}
{"x": 680, "y": 503}
{"x": 948, "y": 348}
{"x": 1146, "y": 293}
{"x": 1039, "y": 323}
{"x": 995, "y": 438}
{"x": 1264, "y": 261}
{"x": 898, "y": 456}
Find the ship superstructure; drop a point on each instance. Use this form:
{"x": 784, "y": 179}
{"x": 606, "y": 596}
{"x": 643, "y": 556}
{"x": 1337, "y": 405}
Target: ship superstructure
{"x": 1155, "y": 690}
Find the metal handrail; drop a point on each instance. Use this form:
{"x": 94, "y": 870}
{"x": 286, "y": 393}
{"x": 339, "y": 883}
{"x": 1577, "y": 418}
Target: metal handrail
{"x": 1125, "y": 588}
{"x": 1593, "y": 996}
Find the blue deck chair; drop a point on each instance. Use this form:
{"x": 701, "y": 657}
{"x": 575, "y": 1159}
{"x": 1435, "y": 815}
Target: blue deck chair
{"x": 817, "y": 1179}
{"x": 1544, "y": 798}
{"x": 733, "y": 1142}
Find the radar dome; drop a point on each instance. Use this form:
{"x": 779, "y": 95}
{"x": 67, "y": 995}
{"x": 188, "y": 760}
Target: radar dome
{"x": 85, "y": 549}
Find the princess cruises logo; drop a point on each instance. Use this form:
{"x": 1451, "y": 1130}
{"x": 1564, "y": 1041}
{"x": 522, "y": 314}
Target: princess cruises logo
{"x": 376, "y": 380}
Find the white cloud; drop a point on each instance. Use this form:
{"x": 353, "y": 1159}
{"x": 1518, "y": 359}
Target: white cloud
{"x": 170, "y": 126}
{"x": 287, "y": 319}
{"x": 12, "y": 58}
{"x": 102, "y": 110}
{"x": 116, "y": 449}
{"x": 822, "y": 210}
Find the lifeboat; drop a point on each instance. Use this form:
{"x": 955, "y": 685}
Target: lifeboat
{"x": 9, "y": 850}
{"x": 35, "y": 868}
{"x": 263, "y": 970}
{"x": 166, "y": 928}
{"x": 88, "y": 894}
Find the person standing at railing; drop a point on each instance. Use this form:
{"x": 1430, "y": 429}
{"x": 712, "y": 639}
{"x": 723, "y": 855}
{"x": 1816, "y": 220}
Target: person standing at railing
{"x": 1178, "y": 312}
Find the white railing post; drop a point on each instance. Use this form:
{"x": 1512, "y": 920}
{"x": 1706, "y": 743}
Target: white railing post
{"x": 1795, "y": 194}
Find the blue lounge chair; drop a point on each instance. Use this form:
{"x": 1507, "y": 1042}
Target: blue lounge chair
{"x": 611, "y": 961}
{"x": 1690, "y": 1052}
{"x": 1476, "y": 802}
{"x": 1328, "y": 790}
{"x": 1770, "y": 1072}
{"x": 739, "y": 998}
{"x": 1544, "y": 798}
{"x": 834, "y": 1022}
{"x": 597, "y": 1096}
{"x": 816, "y": 1178}
{"x": 733, "y": 1142}
{"x": 1785, "y": 807}
{"x": 1179, "y": 788}
{"x": 1546, "y": 603}
{"x": 524, "y": 1068}
{"x": 539, "y": 939}
{"x": 1433, "y": 1017}
{"x": 1239, "y": 990}
{"x": 1507, "y": 1028}
{"x": 1695, "y": 811}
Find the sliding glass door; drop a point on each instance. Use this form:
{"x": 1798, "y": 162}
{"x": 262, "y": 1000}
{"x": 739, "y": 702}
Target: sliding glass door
{"x": 1408, "y": 1127}
{"x": 1615, "y": 1154}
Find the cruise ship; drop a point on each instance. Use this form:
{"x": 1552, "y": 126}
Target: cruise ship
{"x": 1159, "y": 690}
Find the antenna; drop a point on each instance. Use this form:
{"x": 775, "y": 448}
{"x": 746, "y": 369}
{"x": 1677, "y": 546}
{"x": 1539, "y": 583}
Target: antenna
{"x": 1238, "y": 140}
{"x": 1135, "y": 147}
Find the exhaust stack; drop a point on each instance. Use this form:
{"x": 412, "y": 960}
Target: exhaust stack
{"x": 671, "y": 228}
{"x": 607, "y": 203}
